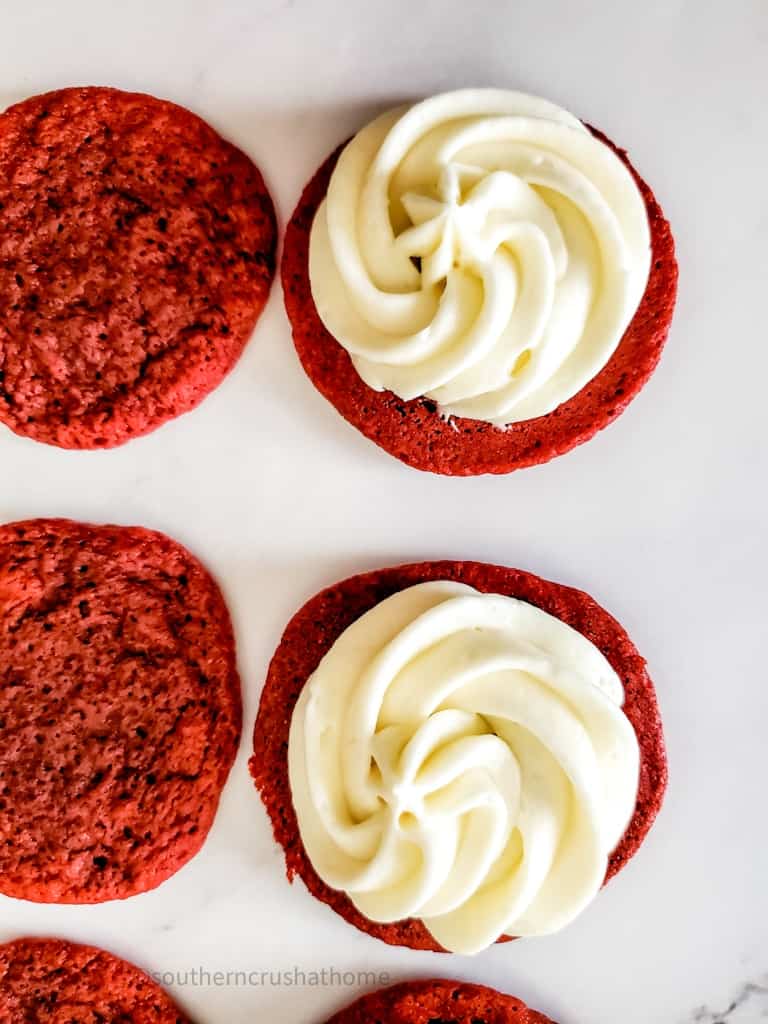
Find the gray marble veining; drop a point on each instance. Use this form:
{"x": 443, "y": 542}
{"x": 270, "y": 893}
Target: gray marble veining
{"x": 748, "y": 1006}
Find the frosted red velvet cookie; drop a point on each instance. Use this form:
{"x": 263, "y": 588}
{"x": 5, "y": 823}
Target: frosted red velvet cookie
{"x": 479, "y": 282}
{"x": 452, "y": 752}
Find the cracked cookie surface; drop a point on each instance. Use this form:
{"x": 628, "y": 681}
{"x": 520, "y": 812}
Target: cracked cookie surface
{"x": 137, "y": 250}
{"x": 120, "y": 709}
{"x": 51, "y": 981}
{"x": 439, "y": 1001}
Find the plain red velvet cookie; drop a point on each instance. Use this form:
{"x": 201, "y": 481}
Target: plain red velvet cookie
{"x": 315, "y": 628}
{"x": 51, "y": 981}
{"x": 413, "y": 431}
{"x": 137, "y": 250}
{"x": 430, "y": 1002}
{"x": 120, "y": 709}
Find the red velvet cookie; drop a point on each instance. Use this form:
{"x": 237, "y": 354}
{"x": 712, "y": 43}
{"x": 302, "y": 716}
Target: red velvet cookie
{"x": 413, "y": 431}
{"x": 51, "y": 981}
{"x": 137, "y": 250}
{"x": 120, "y": 709}
{"x": 315, "y": 628}
{"x": 427, "y": 1002}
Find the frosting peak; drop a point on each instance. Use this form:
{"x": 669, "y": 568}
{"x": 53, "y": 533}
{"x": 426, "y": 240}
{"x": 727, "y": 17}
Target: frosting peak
{"x": 463, "y": 758}
{"x": 481, "y": 248}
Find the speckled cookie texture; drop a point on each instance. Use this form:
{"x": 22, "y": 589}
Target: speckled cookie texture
{"x": 438, "y": 1002}
{"x": 414, "y": 431}
{"x": 51, "y": 981}
{"x": 120, "y": 709}
{"x": 137, "y": 249}
{"x": 315, "y": 628}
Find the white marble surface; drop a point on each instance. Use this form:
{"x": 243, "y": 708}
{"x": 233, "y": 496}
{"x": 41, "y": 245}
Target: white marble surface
{"x": 662, "y": 517}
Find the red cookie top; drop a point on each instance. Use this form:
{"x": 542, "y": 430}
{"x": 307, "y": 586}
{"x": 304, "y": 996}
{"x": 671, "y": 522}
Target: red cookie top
{"x": 120, "y": 709}
{"x": 414, "y": 431}
{"x": 51, "y": 981}
{"x": 429, "y": 1002}
{"x": 137, "y": 250}
{"x": 315, "y": 628}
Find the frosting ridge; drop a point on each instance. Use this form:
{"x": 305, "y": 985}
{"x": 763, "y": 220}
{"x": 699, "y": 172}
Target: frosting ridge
{"x": 463, "y": 758}
{"x": 481, "y": 248}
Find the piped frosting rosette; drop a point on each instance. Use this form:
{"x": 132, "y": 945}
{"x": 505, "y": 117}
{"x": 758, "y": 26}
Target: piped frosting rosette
{"x": 482, "y": 249}
{"x": 463, "y": 758}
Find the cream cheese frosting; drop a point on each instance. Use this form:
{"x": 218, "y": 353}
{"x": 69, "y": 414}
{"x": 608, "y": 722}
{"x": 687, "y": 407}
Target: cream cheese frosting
{"x": 483, "y": 249}
{"x": 463, "y": 758}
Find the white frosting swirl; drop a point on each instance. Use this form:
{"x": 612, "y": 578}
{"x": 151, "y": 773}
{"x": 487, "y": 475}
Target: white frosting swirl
{"x": 463, "y": 758}
{"x": 482, "y": 249}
